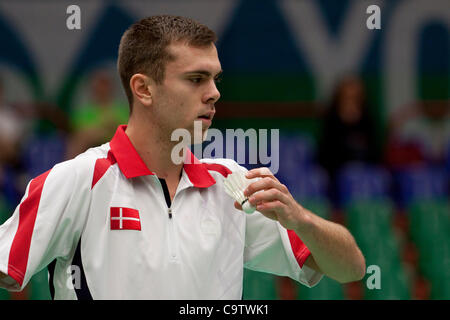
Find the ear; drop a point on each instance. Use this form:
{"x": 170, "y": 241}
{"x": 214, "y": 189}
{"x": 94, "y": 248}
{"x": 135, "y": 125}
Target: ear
{"x": 141, "y": 87}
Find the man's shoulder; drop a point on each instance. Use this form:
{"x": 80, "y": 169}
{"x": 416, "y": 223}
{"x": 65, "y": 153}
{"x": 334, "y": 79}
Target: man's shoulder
{"x": 83, "y": 164}
{"x": 229, "y": 164}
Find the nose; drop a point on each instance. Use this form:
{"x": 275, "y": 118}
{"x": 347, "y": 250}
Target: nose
{"x": 212, "y": 95}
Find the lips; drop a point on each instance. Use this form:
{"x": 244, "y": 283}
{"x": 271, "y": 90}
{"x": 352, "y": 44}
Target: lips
{"x": 207, "y": 116}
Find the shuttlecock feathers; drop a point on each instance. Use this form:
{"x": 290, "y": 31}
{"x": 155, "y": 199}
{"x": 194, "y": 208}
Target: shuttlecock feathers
{"x": 235, "y": 184}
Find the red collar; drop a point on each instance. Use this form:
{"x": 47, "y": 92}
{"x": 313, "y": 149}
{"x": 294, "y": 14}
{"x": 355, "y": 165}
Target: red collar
{"x": 131, "y": 164}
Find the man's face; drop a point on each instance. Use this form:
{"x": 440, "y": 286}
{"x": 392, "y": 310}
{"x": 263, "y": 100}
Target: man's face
{"x": 188, "y": 92}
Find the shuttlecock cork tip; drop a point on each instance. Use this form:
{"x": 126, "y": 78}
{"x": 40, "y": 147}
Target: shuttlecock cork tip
{"x": 247, "y": 207}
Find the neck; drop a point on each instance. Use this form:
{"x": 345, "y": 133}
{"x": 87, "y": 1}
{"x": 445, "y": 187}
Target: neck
{"x": 155, "y": 149}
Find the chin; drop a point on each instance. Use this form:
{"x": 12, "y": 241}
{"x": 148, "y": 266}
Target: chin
{"x": 198, "y": 132}
{"x": 199, "y": 138}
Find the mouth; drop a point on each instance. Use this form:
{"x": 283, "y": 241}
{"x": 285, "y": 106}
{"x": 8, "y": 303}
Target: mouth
{"x": 207, "y": 117}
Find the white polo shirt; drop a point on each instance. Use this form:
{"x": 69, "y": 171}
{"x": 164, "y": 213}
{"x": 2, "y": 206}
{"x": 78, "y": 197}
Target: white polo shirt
{"x": 105, "y": 226}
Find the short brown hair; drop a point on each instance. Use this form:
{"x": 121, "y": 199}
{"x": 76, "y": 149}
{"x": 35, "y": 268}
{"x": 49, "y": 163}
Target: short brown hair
{"x": 143, "y": 47}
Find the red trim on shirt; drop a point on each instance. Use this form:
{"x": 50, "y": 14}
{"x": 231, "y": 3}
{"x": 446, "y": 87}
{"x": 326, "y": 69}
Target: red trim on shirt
{"x": 132, "y": 165}
{"x": 301, "y": 252}
{"x": 101, "y": 166}
{"x": 128, "y": 159}
{"x": 223, "y": 170}
{"x": 197, "y": 171}
{"x": 18, "y": 255}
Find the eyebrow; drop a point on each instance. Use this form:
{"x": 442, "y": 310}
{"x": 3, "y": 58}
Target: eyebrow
{"x": 204, "y": 72}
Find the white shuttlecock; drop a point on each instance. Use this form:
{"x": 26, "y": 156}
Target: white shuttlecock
{"x": 235, "y": 184}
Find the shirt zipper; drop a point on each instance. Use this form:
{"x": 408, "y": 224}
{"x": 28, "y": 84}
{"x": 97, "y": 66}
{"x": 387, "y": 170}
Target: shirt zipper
{"x": 172, "y": 234}
{"x": 172, "y": 237}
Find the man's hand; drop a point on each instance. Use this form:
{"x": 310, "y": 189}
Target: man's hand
{"x": 273, "y": 200}
{"x": 334, "y": 251}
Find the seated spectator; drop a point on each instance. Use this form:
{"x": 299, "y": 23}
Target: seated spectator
{"x": 12, "y": 129}
{"x": 419, "y": 133}
{"x": 95, "y": 122}
{"x": 14, "y": 126}
{"x": 348, "y": 133}
{"x": 47, "y": 144}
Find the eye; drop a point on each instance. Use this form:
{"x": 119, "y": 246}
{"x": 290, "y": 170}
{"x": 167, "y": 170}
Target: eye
{"x": 196, "y": 79}
{"x": 218, "y": 79}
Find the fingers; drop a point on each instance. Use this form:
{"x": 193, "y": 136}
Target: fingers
{"x": 263, "y": 209}
{"x": 260, "y": 173}
{"x": 265, "y": 184}
{"x": 270, "y": 187}
{"x": 271, "y": 206}
{"x": 268, "y": 196}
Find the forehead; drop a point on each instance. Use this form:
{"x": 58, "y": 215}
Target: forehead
{"x": 188, "y": 58}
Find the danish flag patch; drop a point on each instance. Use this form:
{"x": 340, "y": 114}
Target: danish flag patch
{"x": 125, "y": 219}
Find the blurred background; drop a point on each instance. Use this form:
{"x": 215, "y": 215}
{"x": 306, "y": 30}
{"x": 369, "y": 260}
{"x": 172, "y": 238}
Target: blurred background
{"x": 364, "y": 116}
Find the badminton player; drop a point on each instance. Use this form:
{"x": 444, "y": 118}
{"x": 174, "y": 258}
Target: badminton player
{"x": 124, "y": 221}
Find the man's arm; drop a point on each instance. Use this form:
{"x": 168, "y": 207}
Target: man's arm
{"x": 58, "y": 220}
{"x": 334, "y": 251}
